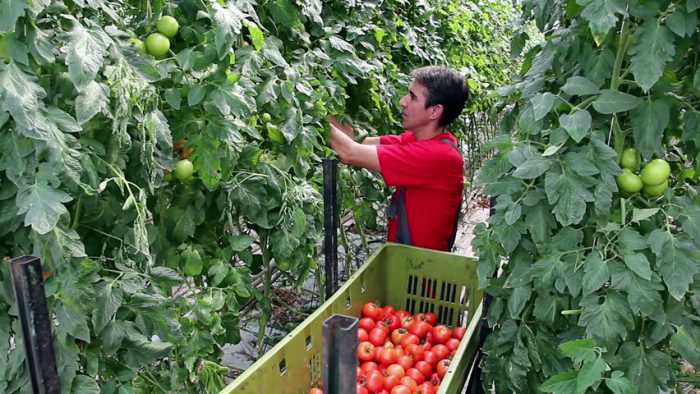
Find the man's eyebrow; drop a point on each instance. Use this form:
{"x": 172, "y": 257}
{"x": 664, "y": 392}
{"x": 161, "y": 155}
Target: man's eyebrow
{"x": 411, "y": 92}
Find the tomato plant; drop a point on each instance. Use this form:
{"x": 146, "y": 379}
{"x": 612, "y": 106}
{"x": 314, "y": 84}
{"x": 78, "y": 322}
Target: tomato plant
{"x": 568, "y": 220}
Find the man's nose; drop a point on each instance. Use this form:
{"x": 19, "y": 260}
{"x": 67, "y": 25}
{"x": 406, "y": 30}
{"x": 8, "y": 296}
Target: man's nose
{"x": 402, "y": 102}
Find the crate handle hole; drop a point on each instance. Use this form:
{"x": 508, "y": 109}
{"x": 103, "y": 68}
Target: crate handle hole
{"x": 348, "y": 303}
{"x": 308, "y": 342}
{"x": 283, "y": 366}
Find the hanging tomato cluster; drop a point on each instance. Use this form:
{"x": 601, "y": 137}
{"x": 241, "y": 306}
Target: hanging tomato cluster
{"x": 400, "y": 353}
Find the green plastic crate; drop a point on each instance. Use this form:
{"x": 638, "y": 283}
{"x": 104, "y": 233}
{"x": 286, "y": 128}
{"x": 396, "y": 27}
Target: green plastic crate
{"x": 395, "y": 274}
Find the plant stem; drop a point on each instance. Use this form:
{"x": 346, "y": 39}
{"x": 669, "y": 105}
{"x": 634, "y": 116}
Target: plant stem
{"x": 76, "y": 214}
{"x": 267, "y": 289}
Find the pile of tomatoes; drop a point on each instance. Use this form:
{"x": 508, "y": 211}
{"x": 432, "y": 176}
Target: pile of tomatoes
{"x": 400, "y": 353}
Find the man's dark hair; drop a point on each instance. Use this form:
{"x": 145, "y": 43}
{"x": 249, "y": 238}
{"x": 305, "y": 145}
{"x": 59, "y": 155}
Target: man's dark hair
{"x": 444, "y": 86}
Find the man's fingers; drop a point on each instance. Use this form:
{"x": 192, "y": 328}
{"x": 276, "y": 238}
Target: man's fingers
{"x": 342, "y": 126}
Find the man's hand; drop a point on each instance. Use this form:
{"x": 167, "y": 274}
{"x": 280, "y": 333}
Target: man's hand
{"x": 350, "y": 152}
{"x": 344, "y": 127}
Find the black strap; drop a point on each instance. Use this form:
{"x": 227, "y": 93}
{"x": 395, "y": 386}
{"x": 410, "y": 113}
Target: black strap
{"x": 397, "y": 209}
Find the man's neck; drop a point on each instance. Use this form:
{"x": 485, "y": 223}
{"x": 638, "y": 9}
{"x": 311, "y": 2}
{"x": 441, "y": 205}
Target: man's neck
{"x": 428, "y": 133}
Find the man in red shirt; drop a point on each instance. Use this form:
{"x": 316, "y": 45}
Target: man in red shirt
{"x": 423, "y": 164}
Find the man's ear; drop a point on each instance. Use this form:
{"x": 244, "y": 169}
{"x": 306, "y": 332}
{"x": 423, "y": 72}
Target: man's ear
{"x": 436, "y": 111}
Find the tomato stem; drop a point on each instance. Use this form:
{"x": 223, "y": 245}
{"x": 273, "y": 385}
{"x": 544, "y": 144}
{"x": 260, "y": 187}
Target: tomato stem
{"x": 265, "y": 316}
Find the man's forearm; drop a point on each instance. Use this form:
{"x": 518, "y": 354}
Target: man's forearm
{"x": 350, "y": 152}
{"x": 371, "y": 141}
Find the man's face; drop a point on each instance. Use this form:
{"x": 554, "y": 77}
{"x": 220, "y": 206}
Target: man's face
{"x": 414, "y": 113}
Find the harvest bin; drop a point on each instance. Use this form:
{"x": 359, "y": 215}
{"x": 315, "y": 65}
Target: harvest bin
{"x": 418, "y": 280}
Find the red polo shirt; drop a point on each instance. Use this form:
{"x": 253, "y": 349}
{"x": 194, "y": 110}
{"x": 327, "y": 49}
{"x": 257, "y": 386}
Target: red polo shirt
{"x": 432, "y": 173}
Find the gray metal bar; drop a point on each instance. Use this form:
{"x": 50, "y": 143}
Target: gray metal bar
{"x": 330, "y": 214}
{"x": 339, "y": 354}
{"x": 34, "y": 317}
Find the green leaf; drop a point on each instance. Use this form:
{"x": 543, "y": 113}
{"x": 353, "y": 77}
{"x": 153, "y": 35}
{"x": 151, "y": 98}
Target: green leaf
{"x": 580, "y": 350}
{"x": 563, "y": 383}
{"x": 340, "y": 44}
{"x": 542, "y": 103}
{"x": 228, "y": 17}
{"x": 20, "y": 96}
{"x": 256, "y": 35}
{"x": 613, "y": 101}
{"x": 687, "y": 345}
{"x": 232, "y": 98}
{"x": 86, "y": 51}
{"x": 271, "y": 51}
{"x": 540, "y": 222}
{"x": 10, "y": 11}
{"x": 580, "y": 86}
{"x": 83, "y": 384}
{"x": 517, "y": 300}
{"x": 590, "y": 374}
{"x": 532, "y": 168}
{"x": 642, "y": 295}
{"x": 653, "y": 47}
{"x": 240, "y": 242}
{"x": 193, "y": 261}
{"x": 696, "y": 83}
{"x": 284, "y": 12}
{"x": 596, "y": 273}
{"x": 196, "y": 94}
{"x": 689, "y": 218}
{"x": 576, "y": 124}
{"x": 648, "y": 369}
{"x": 112, "y": 337}
{"x": 173, "y": 97}
{"x": 567, "y": 194}
{"x": 91, "y": 101}
{"x": 676, "y": 259}
{"x": 108, "y": 301}
{"x": 71, "y": 322}
{"x": 649, "y": 120}
{"x": 641, "y": 214}
{"x": 545, "y": 308}
{"x": 619, "y": 384}
{"x": 15, "y": 148}
{"x": 682, "y": 23}
{"x": 639, "y": 264}
{"x": 606, "y": 321}
{"x": 601, "y": 14}
{"x": 42, "y": 204}
{"x": 166, "y": 274}
{"x": 292, "y": 127}
{"x": 283, "y": 244}
{"x": 631, "y": 240}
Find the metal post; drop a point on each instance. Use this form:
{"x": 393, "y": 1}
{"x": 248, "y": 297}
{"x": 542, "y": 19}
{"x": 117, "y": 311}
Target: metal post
{"x": 330, "y": 216}
{"x": 339, "y": 354}
{"x": 34, "y": 317}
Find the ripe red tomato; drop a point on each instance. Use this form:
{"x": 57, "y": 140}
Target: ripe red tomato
{"x": 361, "y": 389}
{"x": 419, "y": 328}
{"x": 419, "y": 317}
{"x": 424, "y": 368}
{"x": 369, "y": 366}
{"x": 458, "y": 332}
{"x": 389, "y": 310}
{"x": 392, "y": 322}
{"x": 367, "y": 324}
{"x": 442, "y": 367}
{"x": 425, "y": 388}
{"x": 401, "y": 313}
{"x": 377, "y": 336}
{"x": 417, "y": 375}
{"x": 365, "y": 351}
{"x": 315, "y": 390}
{"x": 430, "y": 358}
{"x": 440, "y": 351}
{"x": 435, "y": 379}
{"x": 431, "y": 318}
{"x": 409, "y": 339}
{"x": 375, "y": 381}
{"x": 409, "y": 382}
{"x": 396, "y": 370}
{"x": 405, "y": 361}
{"x": 371, "y": 310}
{"x": 406, "y": 322}
{"x": 415, "y": 352}
{"x": 441, "y": 334}
{"x": 361, "y": 375}
{"x": 452, "y": 343}
{"x": 362, "y": 335}
{"x": 390, "y": 381}
{"x": 400, "y": 389}
{"x": 397, "y": 335}
{"x": 387, "y": 356}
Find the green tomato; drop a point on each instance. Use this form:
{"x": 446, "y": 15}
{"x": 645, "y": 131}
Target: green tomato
{"x": 184, "y": 169}
{"x": 168, "y": 26}
{"x": 629, "y": 182}
{"x": 267, "y": 118}
{"x": 157, "y": 45}
{"x": 628, "y": 159}
{"x": 688, "y": 173}
{"x": 656, "y": 190}
{"x": 284, "y": 265}
{"x": 140, "y": 46}
{"x": 656, "y": 172}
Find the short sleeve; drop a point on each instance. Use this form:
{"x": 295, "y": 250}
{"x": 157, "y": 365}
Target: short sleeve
{"x": 411, "y": 164}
